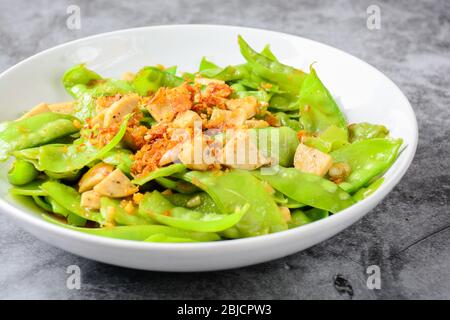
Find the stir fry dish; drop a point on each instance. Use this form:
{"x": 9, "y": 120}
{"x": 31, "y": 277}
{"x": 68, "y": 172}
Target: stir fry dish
{"x": 223, "y": 153}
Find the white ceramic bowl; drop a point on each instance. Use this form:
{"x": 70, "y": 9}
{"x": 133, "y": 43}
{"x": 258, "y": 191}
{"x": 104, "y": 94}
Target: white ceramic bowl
{"x": 364, "y": 94}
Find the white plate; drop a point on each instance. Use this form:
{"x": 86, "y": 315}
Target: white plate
{"x": 364, "y": 94}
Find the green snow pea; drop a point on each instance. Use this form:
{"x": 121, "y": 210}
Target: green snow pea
{"x": 119, "y": 215}
{"x": 307, "y": 188}
{"x": 284, "y": 102}
{"x": 331, "y": 139}
{"x": 70, "y": 199}
{"x": 300, "y": 217}
{"x": 268, "y": 53}
{"x": 79, "y": 81}
{"x": 160, "y": 237}
{"x": 230, "y": 190}
{"x": 318, "y": 110}
{"x": 201, "y": 201}
{"x": 120, "y": 158}
{"x": 287, "y": 78}
{"x": 30, "y": 189}
{"x": 177, "y": 185}
{"x": 280, "y": 143}
{"x": 164, "y": 212}
{"x": 138, "y": 233}
{"x": 171, "y": 70}
{"x": 78, "y": 75}
{"x": 367, "y": 159}
{"x": 150, "y": 79}
{"x": 72, "y": 218}
{"x": 34, "y": 131}
{"x": 86, "y": 85}
{"x": 61, "y": 158}
{"x": 286, "y": 121}
{"x": 42, "y": 203}
{"x": 260, "y": 95}
{"x": 22, "y": 172}
{"x": 364, "y": 131}
{"x": 205, "y": 64}
{"x": 363, "y": 193}
{"x": 160, "y": 172}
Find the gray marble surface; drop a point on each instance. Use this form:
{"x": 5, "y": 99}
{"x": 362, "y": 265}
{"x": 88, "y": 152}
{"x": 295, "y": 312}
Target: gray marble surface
{"x": 407, "y": 235}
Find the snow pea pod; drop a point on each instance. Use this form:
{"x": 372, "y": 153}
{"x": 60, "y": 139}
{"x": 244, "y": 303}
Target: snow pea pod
{"x": 280, "y": 143}
{"x": 331, "y": 139}
{"x": 160, "y": 237}
{"x": 42, "y": 203}
{"x": 85, "y": 85}
{"x": 150, "y": 79}
{"x": 364, "y": 131}
{"x": 205, "y": 64}
{"x": 367, "y": 159}
{"x": 70, "y": 199}
{"x": 201, "y": 201}
{"x": 300, "y": 217}
{"x": 34, "y": 131}
{"x": 307, "y": 188}
{"x": 318, "y": 110}
{"x": 61, "y": 158}
{"x": 268, "y": 53}
{"x": 363, "y": 193}
{"x": 22, "y": 172}
{"x": 160, "y": 172}
{"x": 78, "y": 75}
{"x": 178, "y": 185}
{"x": 120, "y": 158}
{"x": 31, "y": 189}
{"x": 112, "y": 210}
{"x": 287, "y": 78}
{"x": 138, "y": 233}
{"x": 164, "y": 212}
{"x": 286, "y": 121}
{"x": 231, "y": 190}
{"x": 72, "y": 218}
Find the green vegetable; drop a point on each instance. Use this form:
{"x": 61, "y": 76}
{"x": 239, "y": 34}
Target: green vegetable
{"x": 22, "y": 172}
{"x": 34, "y": 131}
{"x": 279, "y": 143}
{"x": 268, "y": 53}
{"x": 70, "y": 199}
{"x": 300, "y": 217}
{"x": 286, "y": 77}
{"x": 61, "y": 158}
{"x": 160, "y": 172}
{"x": 72, "y": 218}
{"x": 364, "y": 131}
{"x": 230, "y": 190}
{"x": 150, "y": 79}
{"x": 86, "y": 85}
{"x": 78, "y": 75}
{"x": 307, "y": 188}
{"x": 164, "y": 212}
{"x": 363, "y": 193}
{"x": 367, "y": 159}
{"x": 286, "y": 121}
{"x": 30, "y": 189}
{"x": 120, "y": 158}
{"x": 331, "y": 139}
{"x": 160, "y": 237}
{"x": 318, "y": 110}
{"x": 42, "y": 203}
{"x": 139, "y": 233}
{"x": 201, "y": 201}
{"x": 119, "y": 215}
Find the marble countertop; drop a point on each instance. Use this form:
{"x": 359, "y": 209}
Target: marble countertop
{"x": 407, "y": 235}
